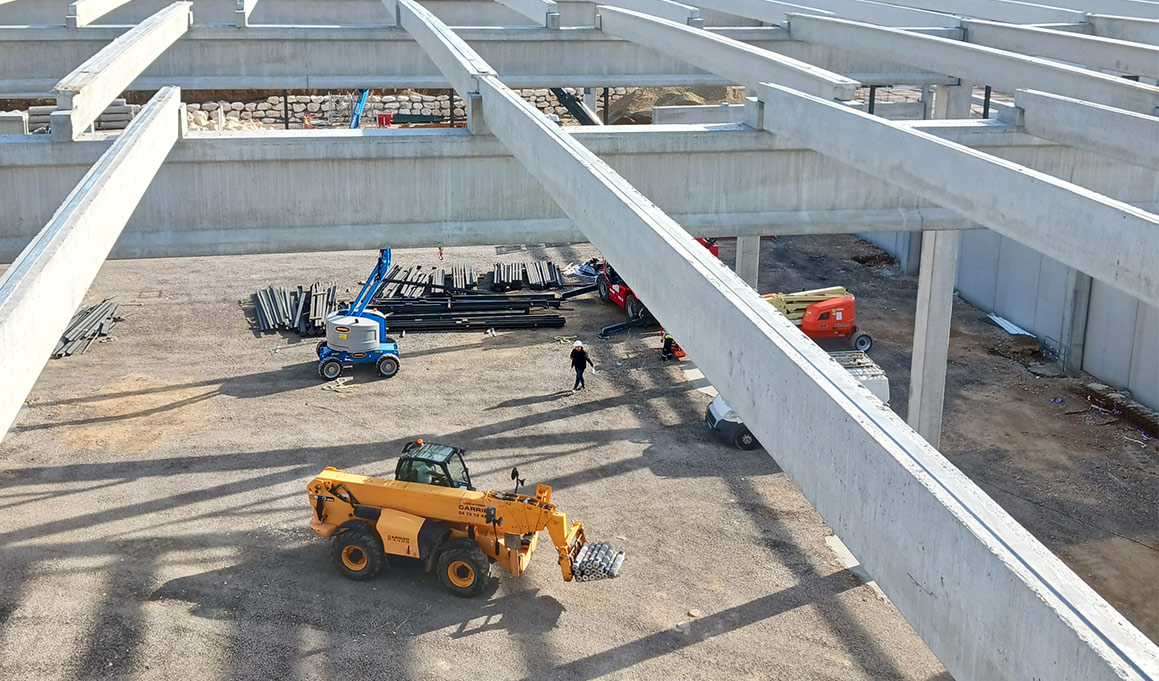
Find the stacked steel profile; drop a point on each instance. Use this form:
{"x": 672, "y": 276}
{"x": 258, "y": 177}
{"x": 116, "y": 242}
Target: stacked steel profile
{"x": 302, "y": 310}
{"x": 87, "y": 325}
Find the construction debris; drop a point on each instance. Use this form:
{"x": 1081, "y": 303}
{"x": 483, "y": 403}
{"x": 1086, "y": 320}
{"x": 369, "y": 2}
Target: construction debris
{"x": 86, "y": 326}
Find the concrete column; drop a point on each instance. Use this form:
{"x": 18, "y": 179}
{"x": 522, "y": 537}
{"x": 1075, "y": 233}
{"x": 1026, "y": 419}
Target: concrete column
{"x": 959, "y": 98}
{"x": 590, "y": 102}
{"x": 1074, "y": 322}
{"x": 748, "y": 259}
{"x": 932, "y": 333}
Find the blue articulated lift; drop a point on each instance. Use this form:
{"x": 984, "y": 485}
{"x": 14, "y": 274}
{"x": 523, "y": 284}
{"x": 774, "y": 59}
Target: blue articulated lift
{"x": 358, "y": 335}
{"x": 356, "y": 114}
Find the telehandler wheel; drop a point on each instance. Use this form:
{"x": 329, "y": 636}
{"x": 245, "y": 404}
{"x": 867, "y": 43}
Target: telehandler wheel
{"x": 634, "y": 307}
{"x": 861, "y": 341}
{"x": 387, "y": 366}
{"x": 604, "y": 287}
{"x": 463, "y": 568}
{"x": 330, "y": 369}
{"x": 358, "y": 552}
{"x": 318, "y": 349}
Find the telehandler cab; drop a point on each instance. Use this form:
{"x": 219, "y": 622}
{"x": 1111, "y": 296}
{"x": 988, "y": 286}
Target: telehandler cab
{"x": 432, "y": 513}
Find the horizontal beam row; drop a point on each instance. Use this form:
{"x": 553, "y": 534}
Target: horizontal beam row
{"x": 1124, "y": 135}
{"x": 82, "y": 95}
{"x": 1090, "y": 51}
{"x": 775, "y": 11}
{"x": 1003, "y": 70}
{"x": 733, "y": 60}
{"x": 46, "y": 283}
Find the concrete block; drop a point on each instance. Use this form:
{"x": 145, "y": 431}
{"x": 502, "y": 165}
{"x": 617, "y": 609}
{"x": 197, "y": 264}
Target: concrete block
{"x": 13, "y": 123}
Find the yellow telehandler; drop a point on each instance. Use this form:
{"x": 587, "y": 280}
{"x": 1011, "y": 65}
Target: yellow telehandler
{"x": 430, "y": 512}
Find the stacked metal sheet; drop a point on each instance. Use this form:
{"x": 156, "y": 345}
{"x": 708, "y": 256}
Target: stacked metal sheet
{"x": 597, "y": 561}
{"x": 86, "y": 326}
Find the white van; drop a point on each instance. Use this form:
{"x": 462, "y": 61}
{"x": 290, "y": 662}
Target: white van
{"x": 723, "y": 421}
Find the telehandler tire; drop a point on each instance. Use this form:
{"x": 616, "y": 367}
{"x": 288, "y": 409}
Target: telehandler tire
{"x": 463, "y": 568}
{"x": 358, "y": 552}
{"x": 604, "y": 287}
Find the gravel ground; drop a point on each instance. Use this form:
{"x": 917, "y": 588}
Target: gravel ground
{"x": 156, "y": 516}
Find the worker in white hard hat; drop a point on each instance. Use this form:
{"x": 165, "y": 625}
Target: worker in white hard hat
{"x": 579, "y": 362}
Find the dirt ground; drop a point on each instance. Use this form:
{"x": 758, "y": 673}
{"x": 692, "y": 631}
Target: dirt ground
{"x": 156, "y": 515}
{"x": 1084, "y": 483}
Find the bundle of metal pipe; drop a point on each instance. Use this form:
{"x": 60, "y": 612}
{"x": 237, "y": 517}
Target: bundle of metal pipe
{"x": 86, "y": 326}
{"x": 597, "y": 561}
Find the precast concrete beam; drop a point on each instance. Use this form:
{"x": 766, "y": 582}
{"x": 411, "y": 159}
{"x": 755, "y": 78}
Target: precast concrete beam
{"x": 1125, "y": 28}
{"x": 83, "y": 94}
{"x": 1003, "y": 70}
{"x": 774, "y": 11}
{"x": 544, "y": 12}
{"x": 661, "y": 9}
{"x": 1013, "y": 11}
{"x": 455, "y": 59}
{"x": 84, "y": 12}
{"x": 1107, "y": 239}
{"x": 733, "y": 60}
{"x": 1146, "y": 9}
{"x": 1091, "y": 51}
{"x": 1104, "y": 130}
{"x": 41, "y": 290}
{"x": 243, "y": 11}
{"x": 953, "y": 562}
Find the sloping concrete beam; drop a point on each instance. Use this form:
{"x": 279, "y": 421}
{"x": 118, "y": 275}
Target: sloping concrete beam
{"x": 731, "y": 59}
{"x": 774, "y": 11}
{"x": 661, "y": 9}
{"x": 953, "y": 562}
{"x": 41, "y": 290}
{"x": 83, "y": 94}
{"x": 1125, "y": 28}
{"x": 1107, "y": 239}
{"x": 1003, "y": 70}
{"x": 544, "y": 12}
{"x": 1091, "y": 51}
{"x": 999, "y": 10}
{"x": 84, "y": 12}
{"x": 1104, "y": 130}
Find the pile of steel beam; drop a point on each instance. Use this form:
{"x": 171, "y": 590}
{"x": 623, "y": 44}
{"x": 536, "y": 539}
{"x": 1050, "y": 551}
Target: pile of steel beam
{"x": 415, "y": 281}
{"x": 539, "y": 275}
{"x": 86, "y": 327}
{"x": 302, "y": 310}
{"x": 470, "y": 311}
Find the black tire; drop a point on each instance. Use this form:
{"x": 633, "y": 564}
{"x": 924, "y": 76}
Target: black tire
{"x": 357, "y": 552}
{"x": 603, "y": 287}
{"x": 330, "y": 369}
{"x": 387, "y": 366}
{"x": 861, "y": 341}
{"x": 745, "y": 440}
{"x": 634, "y": 307}
{"x": 318, "y": 349}
{"x": 463, "y": 568}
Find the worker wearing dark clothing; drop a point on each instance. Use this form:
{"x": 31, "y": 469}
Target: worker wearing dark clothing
{"x": 579, "y": 362}
{"x": 667, "y": 351}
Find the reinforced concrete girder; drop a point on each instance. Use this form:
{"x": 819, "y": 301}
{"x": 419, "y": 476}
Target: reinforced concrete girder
{"x": 953, "y": 562}
{"x": 1125, "y": 28}
{"x": 545, "y": 12}
{"x": 457, "y": 61}
{"x": 1110, "y": 240}
{"x": 83, "y": 94}
{"x": 1003, "y": 70}
{"x": 1146, "y": 9}
{"x": 279, "y": 57}
{"x": 662, "y": 9}
{"x": 999, "y": 10}
{"x": 46, "y": 283}
{"x": 733, "y": 60}
{"x": 84, "y": 12}
{"x": 1091, "y": 51}
{"x": 774, "y": 11}
{"x": 1124, "y": 135}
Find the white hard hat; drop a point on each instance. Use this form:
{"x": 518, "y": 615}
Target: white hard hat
{"x": 577, "y": 344}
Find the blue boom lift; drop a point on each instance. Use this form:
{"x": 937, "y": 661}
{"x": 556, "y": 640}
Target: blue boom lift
{"x": 359, "y": 107}
{"x": 358, "y": 335}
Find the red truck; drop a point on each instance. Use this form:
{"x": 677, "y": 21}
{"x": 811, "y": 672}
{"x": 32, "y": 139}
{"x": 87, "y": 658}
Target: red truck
{"x": 611, "y": 287}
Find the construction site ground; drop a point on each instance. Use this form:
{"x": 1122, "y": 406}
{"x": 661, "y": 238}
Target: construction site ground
{"x": 156, "y": 515}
